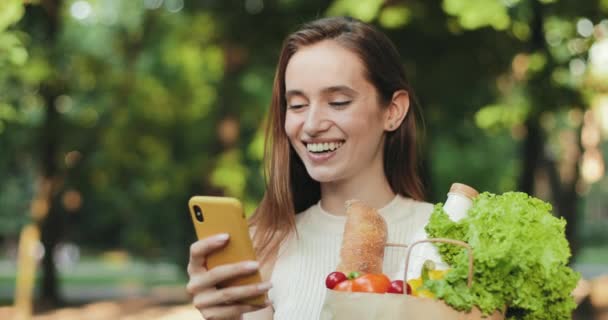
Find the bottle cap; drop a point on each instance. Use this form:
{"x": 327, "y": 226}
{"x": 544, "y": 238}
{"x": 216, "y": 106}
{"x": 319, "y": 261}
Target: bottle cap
{"x": 464, "y": 190}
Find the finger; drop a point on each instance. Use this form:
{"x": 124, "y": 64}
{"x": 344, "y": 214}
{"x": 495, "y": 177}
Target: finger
{"x": 202, "y": 248}
{"x": 228, "y": 312}
{"x": 221, "y": 273}
{"x": 230, "y": 295}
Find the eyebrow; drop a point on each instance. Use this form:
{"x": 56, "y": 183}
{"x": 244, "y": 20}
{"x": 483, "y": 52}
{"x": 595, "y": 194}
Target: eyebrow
{"x": 328, "y": 90}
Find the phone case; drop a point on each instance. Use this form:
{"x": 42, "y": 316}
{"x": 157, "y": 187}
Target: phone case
{"x": 226, "y": 215}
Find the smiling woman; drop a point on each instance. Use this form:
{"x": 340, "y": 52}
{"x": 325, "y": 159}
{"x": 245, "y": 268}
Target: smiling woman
{"x": 342, "y": 126}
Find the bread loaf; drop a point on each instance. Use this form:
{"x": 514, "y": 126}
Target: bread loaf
{"x": 365, "y": 235}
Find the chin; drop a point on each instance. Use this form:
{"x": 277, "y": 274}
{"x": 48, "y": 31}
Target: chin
{"x": 322, "y": 175}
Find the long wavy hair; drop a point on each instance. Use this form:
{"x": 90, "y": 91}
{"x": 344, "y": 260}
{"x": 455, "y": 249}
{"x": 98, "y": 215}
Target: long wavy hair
{"x": 289, "y": 187}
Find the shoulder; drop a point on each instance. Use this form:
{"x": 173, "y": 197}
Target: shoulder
{"x": 417, "y": 206}
{"x": 423, "y": 208}
{"x": 419, "y": 211}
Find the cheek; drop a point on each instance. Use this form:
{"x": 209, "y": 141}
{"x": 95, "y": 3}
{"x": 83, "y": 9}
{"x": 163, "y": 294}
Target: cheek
{"x": 290, "y": 126}
{"x": 364, "y": 120}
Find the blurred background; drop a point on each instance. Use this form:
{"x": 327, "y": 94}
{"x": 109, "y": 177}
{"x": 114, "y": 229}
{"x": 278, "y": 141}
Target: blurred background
{"x": 113, "y": 113}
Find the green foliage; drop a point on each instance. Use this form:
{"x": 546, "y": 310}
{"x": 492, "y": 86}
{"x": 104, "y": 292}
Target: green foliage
{"x": 141, "y": 93}
{"x": 604, "y": 5}
{"x": 456, "y": 160}
{"x": 474, "y": 14}
{"x": 364, "y": 10}
{"x": 12, "y": 51}
{"x": 500, "y": 116}
{"x": 395, "y": 17}
{"x": 16, "y": 180}
{"x": 230, "y": 173}
{"x": 11, "y": 11}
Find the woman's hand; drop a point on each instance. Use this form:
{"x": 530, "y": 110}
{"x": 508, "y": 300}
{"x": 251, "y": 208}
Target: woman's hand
{"x": 214, "y": 303}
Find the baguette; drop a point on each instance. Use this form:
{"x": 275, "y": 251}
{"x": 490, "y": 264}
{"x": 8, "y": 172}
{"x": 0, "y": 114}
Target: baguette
{"x": 365, "y": 235}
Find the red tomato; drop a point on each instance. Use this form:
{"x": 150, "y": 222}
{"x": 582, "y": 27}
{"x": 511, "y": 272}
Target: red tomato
{"x": 334, "y": 278}
{"x": 344, "y": 286}
{"x": 396, "y": 287}
{"x": 378, "y": 283}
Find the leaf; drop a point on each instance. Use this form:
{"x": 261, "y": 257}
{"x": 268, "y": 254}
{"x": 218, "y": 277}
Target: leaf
{"x": 395, "y": 17}
{"x": 230, "y": 174}
{"x": 363, "y": 10}
{"x": 475, "y": 14}
{"x": 11, "y": 11}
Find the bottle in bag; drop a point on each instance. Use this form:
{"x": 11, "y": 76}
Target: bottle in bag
{"x": 459, "y": 201}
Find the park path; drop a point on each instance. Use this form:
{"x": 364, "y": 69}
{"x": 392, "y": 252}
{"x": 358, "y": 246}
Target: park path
{"x": 131, "y": 309}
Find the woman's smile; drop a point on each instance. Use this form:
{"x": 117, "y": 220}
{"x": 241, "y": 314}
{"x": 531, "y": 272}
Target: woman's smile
{"x": 322, "y": 151}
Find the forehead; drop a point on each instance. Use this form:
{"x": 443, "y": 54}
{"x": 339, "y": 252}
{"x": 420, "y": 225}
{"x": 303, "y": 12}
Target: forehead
{"x": 324, "y": 64}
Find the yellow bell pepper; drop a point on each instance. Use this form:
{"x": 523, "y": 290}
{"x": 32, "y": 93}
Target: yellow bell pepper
{"x": 437, "y": 274}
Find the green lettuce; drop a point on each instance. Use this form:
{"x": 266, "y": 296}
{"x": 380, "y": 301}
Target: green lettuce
{"x": 520, "y": 258}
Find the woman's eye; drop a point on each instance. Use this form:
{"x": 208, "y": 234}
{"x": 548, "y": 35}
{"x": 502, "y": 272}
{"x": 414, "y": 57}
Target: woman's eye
{"x": 295, "y": 106}
{"x": 339, "y": 103}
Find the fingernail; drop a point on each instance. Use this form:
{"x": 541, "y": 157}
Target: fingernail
{"x": 268, "y": 302}
{"x": 251, "y": 265}
{"x": 221, "y": 237}
{"x": 264, "y": 286}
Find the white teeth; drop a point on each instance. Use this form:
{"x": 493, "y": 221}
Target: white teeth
{"x": 322, "y": 147}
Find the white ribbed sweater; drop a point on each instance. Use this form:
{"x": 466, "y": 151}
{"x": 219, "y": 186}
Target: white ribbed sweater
{"x": 299, "y": 273}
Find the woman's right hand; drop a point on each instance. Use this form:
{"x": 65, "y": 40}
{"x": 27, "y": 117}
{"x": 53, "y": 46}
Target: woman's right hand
{"x": 214, "y": 303}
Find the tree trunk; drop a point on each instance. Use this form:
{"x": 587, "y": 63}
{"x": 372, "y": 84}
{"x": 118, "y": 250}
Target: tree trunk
{"x": 51, "y": 224}
{"x": 533, "y": 146}
{"x": 565, "y": 199}
{"x": 567, "y": 208}
{"x": 532, "y": 153}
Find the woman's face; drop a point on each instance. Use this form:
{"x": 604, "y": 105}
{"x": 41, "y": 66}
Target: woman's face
{"x": 333, "y": 120}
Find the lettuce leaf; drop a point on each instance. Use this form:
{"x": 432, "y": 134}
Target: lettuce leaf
{"x": 520, "y": 258}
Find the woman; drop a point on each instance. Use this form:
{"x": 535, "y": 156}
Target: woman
{"x": 342, "y": 125}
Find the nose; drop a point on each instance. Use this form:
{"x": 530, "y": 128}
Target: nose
{"x": 317, "y": 120}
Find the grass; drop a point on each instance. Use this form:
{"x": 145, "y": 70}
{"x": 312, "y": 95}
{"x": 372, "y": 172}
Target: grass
{"x": 593, "y": 255}
{"x": 103, "y": 274}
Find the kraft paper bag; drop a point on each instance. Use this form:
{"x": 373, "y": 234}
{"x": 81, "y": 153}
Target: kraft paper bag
{"x": 367, "y": 306}
{"x": 339, "y": 305}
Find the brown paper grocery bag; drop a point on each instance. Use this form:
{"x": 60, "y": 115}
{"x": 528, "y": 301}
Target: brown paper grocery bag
{"x": 367, "y": 306}
{"x": 340, "y": 305}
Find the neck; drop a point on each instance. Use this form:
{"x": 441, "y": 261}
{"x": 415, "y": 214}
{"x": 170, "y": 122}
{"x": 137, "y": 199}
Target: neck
{"x": 370, "y": 186}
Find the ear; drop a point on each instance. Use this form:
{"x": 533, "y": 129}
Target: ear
{"x": 397, "y": 110}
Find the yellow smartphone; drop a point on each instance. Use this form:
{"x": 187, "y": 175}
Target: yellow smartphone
{"x": 215, "y": 215}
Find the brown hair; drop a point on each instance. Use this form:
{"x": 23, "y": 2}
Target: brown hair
{"x": 289, "y": 187}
